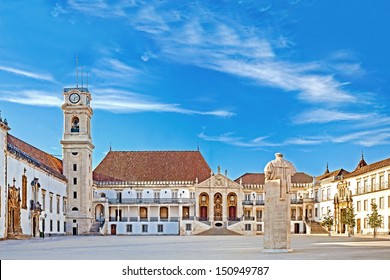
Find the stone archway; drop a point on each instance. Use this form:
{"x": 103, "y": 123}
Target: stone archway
{"x": 203, "y": 206}
{"x": 218, "y": 207}
{"x": 99, "y": 213}
{"x": 232, "y": 206}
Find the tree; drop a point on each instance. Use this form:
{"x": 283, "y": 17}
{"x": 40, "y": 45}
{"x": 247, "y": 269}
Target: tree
{"x": 349, "y": 219}
{"x": 327, "y": 221}
{"x": 374, "y": 220}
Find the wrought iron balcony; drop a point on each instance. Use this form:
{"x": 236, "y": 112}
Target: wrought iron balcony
{"x": 151, "y": 201}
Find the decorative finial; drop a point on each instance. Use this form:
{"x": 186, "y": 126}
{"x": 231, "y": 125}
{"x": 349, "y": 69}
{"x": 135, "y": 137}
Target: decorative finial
{"x": 82, "y": 76}
{"x": 0, "y": 117}
{"x": 225, "y": 172}
{"x": 362, "y": 155}
{"x": 110, "y": 147}
{"x": 219, "y": 169}
{"x": 197, "y": 147}
{"x": 14, "y": 180}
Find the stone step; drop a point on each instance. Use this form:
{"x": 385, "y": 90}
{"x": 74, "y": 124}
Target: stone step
{"x": 218, "y": 231}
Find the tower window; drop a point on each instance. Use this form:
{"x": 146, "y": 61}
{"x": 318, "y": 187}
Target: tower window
{"x": 74, "y": 194}
{"x": 74, "y": 181}
{"x": 74, "y": 167}
{"x": 75, "y": 125}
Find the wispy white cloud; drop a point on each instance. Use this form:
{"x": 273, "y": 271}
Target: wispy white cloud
{"x": 28, "y": 74}
{"x": 109, "y": 68}
{"x": 31, "y": 97}
{"x": 326, "y": 116}
{"x": 230, "y": 139}
{"x": 366, "y": 138}
{"x": 113, "y": 100}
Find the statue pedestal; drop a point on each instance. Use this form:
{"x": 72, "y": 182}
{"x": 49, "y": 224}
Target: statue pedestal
{"x": 277, "y": 215}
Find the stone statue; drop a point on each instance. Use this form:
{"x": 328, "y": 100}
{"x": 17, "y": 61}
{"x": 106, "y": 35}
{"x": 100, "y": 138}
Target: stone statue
{"x": 277, "y": 212}
{"x": 282, "y": 169}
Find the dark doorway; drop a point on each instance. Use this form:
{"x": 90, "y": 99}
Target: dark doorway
{"x": 113, "y": 229}
{"x": 296, "y": 228}
{"x": 232, "y": 212}
{"x": 203, "y": 213}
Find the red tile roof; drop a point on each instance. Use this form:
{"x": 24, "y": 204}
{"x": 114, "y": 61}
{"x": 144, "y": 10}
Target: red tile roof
{"x": 259, "y": 178}
{"x": 332, "y": 174}
{"x": 38, "y": 157}
{"x": 152, "y": 166}
{"x": 370, "y": 167}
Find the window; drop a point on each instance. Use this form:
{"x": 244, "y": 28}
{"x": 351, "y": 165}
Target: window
{"x": 358, "y": 206}
{"x": 51, "y": 225}
{"x": 74, "y": 167}
{"x": 144, "y": 228}
{"x": 381, "y": 181}
{"x": 365, "y": 223}
{"x": 388, "y": 201}
{"x": 58, "y": 226}
{"x": 75, "y": 125}
{"x": 24, "y": 191}
{"x": 64, "y": 226}
{"x": 366, "y": 205}
{"x": 373, "y": 201}
{"x": 188, "y": 227}
{"x": 160, "y": 228}
{"x": 75, "y": 209}
{"x": 74, "y": 194}
{"x": 58, "y": 204}
{"x": 373, "y": 182}
{"x": 64, "y": 205}
{"x": 358, "y": 188}
{"x": 248, "y": 227}
{"x": 74, "y": 181}
{"x": 381, "y": 202}
{"x": 328, "y": 193}
{"x": 316, "y": 212}
{"x": 260, "y": 227}
{"x": 51, "y": 203}
{"x": 129, "y": 228}
{"x": 43, "y": 200}
{"x": 365, "y": 185}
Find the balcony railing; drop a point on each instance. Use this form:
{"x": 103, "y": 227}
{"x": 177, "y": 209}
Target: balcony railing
{"x": 259, "y": 202}
{"x": 151, "y": 201}
{"x": 249, "y": 218}
{"x": 372, "y": 188}
{"x": 298, "y": 218}
{"x": 247, "y": 202}
{"x": 137, "y": 219}
{"x": 296, "y": 201}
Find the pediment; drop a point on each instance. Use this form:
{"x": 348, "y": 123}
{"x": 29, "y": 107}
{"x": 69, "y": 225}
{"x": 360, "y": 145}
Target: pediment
{"x": 219, "y": 181}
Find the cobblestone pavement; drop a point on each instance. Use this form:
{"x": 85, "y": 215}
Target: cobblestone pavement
{"x": 305, "y": 247}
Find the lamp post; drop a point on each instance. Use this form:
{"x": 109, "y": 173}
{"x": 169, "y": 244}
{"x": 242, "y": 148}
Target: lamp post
{"x": 43, "y": 224}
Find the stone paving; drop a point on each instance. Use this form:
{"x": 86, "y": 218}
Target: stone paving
{"x": 305, "y": 247}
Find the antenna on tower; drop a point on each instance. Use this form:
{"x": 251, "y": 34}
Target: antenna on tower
{"x": 87, "y": 79}
{"x": 82, "y": 75}
{"x": 77, "y": 71}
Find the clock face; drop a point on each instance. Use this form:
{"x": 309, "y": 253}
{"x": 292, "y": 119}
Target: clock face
{"x": 74, "y": 98}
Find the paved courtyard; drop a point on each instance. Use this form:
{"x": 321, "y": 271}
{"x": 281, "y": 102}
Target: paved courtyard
{"x": 305, "y": 247}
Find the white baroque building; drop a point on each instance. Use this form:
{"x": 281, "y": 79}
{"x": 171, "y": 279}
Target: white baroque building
{"x": 161, "y": 192}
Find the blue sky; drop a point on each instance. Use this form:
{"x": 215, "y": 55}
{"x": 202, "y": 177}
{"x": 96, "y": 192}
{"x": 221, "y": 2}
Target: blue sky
{"x": 240, "y": 79}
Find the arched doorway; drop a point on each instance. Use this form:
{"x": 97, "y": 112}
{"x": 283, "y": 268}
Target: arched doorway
{"x": 218, "y": 207}
{"x": 99, "y": 213}
{"x": 203, "y": 206}
{"x": 232, "y": 206}
{"x": 164, "y": 213}
{"x": 143, "y": 213}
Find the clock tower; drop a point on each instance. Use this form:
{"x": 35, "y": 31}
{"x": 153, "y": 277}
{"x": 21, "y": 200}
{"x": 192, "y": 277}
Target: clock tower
{"x": 77, "y": 159}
